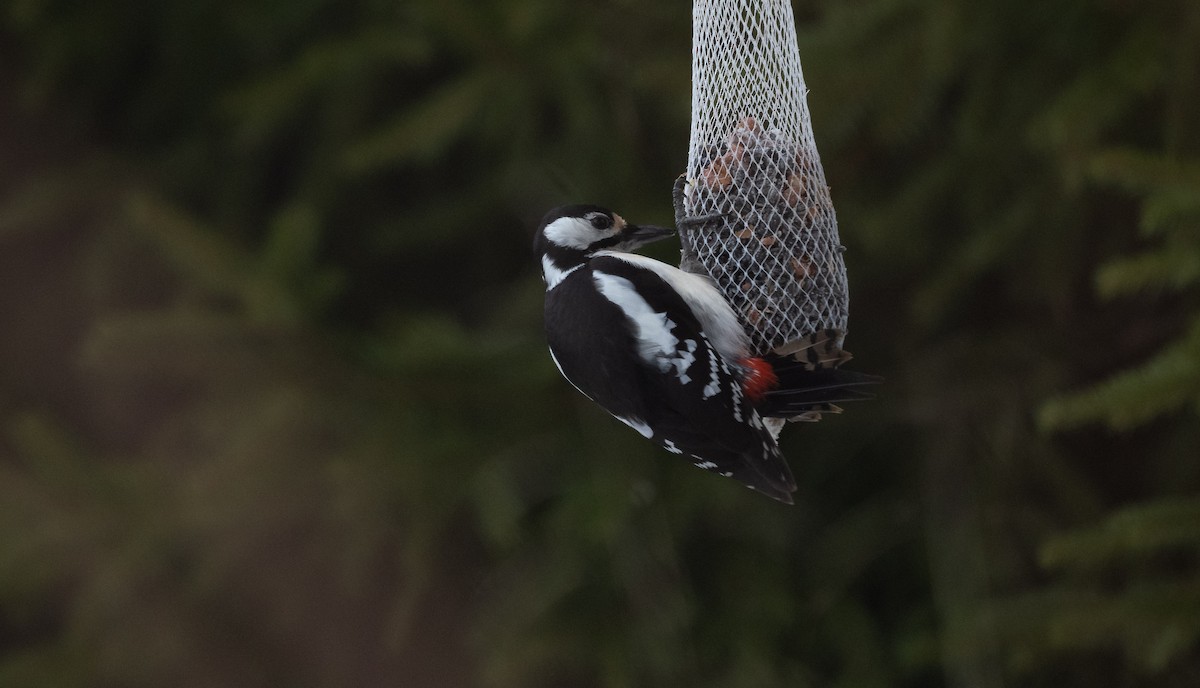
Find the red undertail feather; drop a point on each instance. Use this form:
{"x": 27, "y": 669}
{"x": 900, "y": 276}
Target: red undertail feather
{"x": 760, "y": 378}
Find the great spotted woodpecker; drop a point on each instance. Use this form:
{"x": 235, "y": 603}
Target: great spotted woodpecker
{"x": 662, "y": 351}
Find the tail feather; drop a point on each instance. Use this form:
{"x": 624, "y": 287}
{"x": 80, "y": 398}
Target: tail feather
{"x": 821, "y": 349}
{"x": 802, "y": 391}
{"x": 811, "y": 381}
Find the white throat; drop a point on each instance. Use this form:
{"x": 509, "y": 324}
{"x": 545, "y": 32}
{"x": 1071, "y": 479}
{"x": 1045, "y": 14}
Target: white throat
{"x": 554, "y": 275}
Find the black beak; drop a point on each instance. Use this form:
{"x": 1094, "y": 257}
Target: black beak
{"x": 638, "y": 235}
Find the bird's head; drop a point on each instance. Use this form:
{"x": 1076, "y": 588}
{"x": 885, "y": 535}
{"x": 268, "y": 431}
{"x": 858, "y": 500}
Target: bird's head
{"x": 571, "y": 233}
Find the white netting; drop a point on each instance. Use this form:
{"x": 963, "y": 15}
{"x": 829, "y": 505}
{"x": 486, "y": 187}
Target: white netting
{"x": 755, "y": 213}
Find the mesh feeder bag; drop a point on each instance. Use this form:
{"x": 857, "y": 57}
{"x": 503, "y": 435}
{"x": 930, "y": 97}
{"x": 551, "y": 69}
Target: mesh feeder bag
{"x": 753, "y": 208}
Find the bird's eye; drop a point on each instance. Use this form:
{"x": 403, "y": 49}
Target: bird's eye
{"x": 600, "y": 220}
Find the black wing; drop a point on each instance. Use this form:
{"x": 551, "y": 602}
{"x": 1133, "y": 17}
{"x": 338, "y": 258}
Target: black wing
{"x": 693, "y": 398}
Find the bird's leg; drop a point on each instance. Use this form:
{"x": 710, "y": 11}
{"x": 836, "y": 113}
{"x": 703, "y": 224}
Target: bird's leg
{"x": 679, "y": 199}
{"x": 698, "y": 222}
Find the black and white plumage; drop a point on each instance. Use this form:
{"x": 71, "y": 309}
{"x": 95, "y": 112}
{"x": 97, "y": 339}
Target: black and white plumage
{"x": 662, "y": 351}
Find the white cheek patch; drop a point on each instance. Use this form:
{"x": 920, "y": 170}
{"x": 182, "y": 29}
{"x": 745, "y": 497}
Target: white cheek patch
{"x": 573, "y": 232}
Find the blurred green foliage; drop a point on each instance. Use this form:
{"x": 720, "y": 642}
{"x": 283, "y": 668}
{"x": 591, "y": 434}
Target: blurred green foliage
{"x": 275, "y": 408}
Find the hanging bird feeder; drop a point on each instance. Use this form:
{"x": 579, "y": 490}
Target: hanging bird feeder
{"x": 754, "y": 211}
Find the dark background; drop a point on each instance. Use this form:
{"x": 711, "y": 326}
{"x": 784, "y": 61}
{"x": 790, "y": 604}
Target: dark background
{"x": 275, "y": 407}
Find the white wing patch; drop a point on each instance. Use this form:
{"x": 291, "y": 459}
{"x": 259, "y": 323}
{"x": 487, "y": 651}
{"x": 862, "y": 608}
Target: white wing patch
{"x": 653, "y": 330}
{"x": 684, "y": 360}
{"x": 736, "y": 390}
{"x": 716, "y": 317}
{"x": 713, "y": 387}
{"x": 657, "y": 344}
